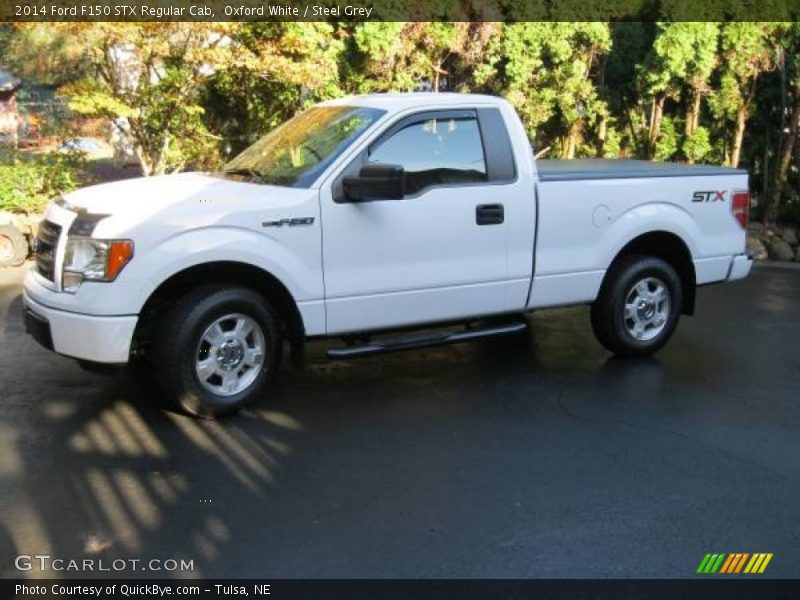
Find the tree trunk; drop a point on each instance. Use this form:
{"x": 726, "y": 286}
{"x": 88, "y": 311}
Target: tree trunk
{"x": 573, "y": 139}
{"x": 160, "y": 160}
{"x": 784, "y": 160}
{"x": 741, "y": 123}
{"x": 637, "y": 133}
{"x": 602, "y": 134}
{"x": 655, "y": 122}
{"x": 693, "y": 114}
{"x": 738, "y": 136}
{"x": 144, "y": 161}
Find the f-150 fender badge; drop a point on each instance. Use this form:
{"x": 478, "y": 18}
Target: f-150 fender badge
{"x": 289, "y": 222}
{"x": 713, "y": 196}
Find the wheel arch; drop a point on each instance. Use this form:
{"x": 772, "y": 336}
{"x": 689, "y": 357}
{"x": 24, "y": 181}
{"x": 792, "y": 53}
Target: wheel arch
{"x": 224, "y": 273}
{"x": 671, "y": 248}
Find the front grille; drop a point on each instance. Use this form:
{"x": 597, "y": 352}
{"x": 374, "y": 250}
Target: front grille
{"x": 46, "y": 244}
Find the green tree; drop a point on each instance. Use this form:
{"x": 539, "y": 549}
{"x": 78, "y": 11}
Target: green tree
{"x": 681, "y": 60}
{"x": 547, "y": 71}
{"x": 748, "y": 50}
{"x": 704, "y": 39}
{"x": 789, "y": 126}
{"x": 5, "y": 35}
{"x": 666, "y": 145}
{"x": 41, "y": 54}
{"x": 631, "y": 43}
{"x": 697, "y": 145}
{"x": 147, "y": 79}
{"x": 409, "y": 56}
{"x": 575, "y": 51}
{"x": 278, "y": 69}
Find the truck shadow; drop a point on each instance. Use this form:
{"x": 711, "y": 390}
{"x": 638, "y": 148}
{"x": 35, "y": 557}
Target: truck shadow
{"x": 119, "y": 478}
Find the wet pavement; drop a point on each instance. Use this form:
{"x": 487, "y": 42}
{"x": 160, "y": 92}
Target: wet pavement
{"x": 538, "y": 456}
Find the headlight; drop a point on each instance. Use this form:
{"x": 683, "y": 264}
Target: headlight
{"x": 93, "y": 260}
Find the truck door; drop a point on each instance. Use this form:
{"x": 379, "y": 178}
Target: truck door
{"x": 442, "y": 251}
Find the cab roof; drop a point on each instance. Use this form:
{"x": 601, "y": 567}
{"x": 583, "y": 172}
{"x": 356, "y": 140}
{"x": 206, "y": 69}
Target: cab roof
{"x": 394, "y": 101}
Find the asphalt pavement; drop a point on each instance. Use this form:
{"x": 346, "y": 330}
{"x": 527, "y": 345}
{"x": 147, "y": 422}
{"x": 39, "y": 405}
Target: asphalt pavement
{"x": 538, "y": 456}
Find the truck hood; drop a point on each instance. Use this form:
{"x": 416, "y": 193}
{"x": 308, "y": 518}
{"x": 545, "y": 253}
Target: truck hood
{"x": 144, "y": 196}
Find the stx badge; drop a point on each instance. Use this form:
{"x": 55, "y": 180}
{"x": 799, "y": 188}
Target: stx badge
{"x": 709, "y": 196}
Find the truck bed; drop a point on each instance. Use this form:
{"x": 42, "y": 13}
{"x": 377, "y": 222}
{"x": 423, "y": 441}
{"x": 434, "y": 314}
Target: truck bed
{"x": 595, "y": 168}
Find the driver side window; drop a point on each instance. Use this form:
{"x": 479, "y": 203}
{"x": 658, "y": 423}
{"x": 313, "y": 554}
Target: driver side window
{"x": 435, "y": 151}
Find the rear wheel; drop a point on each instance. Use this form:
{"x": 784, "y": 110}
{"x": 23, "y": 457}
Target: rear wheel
{"x": 638, "y": 307}
{"x": 216, "y": 350}
{"x": 13, "y": 246}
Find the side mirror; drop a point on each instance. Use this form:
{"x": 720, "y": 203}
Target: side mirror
{"x": 375, "y": 182}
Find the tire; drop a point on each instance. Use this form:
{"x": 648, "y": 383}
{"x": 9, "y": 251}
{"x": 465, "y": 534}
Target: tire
{"x": 13, "y": 246}
{"x": 192, "y": 354}
{"x": 633, "y": 321}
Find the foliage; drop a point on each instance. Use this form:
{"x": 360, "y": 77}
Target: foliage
{"x": 546, "y": 71}
{"x": 6, "y": 35}
{"x": 28, "y": 182}
{"x": 42, "y": 55}
{"x": 697, "y": 145}
{"x": 747, "y": 51}
{"x": 188, "y": 95}
{"x": 280, "y": 68}
{"x": 409, "y": 56}
{"x": 148, "y": 79}
{"x": 681, "y": 52}
{"x": 679, "y": 64}
{"x": 666, "y": 144}
{"x": 612, "y": 143}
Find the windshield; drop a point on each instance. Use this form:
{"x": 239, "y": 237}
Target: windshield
{"x": 295, "y": 153}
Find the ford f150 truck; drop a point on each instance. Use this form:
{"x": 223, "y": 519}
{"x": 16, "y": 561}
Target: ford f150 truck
{"x": 366, "y": 216}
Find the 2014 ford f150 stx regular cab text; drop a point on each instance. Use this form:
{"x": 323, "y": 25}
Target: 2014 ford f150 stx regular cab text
{"x": 366, "y": 215}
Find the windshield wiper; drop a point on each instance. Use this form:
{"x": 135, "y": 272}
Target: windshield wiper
{"x": 248, "y": 171}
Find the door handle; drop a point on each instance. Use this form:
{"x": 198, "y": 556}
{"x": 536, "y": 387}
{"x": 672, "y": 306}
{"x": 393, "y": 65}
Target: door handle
{"x": 489, "y": 214}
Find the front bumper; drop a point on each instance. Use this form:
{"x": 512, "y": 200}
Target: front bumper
{"x": 740, "y": 267}
{"x": 87, "y": 337}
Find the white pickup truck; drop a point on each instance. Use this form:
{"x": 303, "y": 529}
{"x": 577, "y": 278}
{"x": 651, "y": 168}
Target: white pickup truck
{"x": 367, "y": 215}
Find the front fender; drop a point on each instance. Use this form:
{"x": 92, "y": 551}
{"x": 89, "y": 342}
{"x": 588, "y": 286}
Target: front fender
{"x": 293, "y": 256}
{"x": 297, "y": 266}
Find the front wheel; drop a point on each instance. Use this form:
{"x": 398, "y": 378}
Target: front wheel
{"x": 638, "y": 307}
{"x": 216, "y": 350}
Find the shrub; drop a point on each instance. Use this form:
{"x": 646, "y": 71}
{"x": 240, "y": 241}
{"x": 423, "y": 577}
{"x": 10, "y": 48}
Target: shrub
{"x": 697, "y": 146}
{"x": 667, "y": 142}
{"x": 29, "y": 181}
